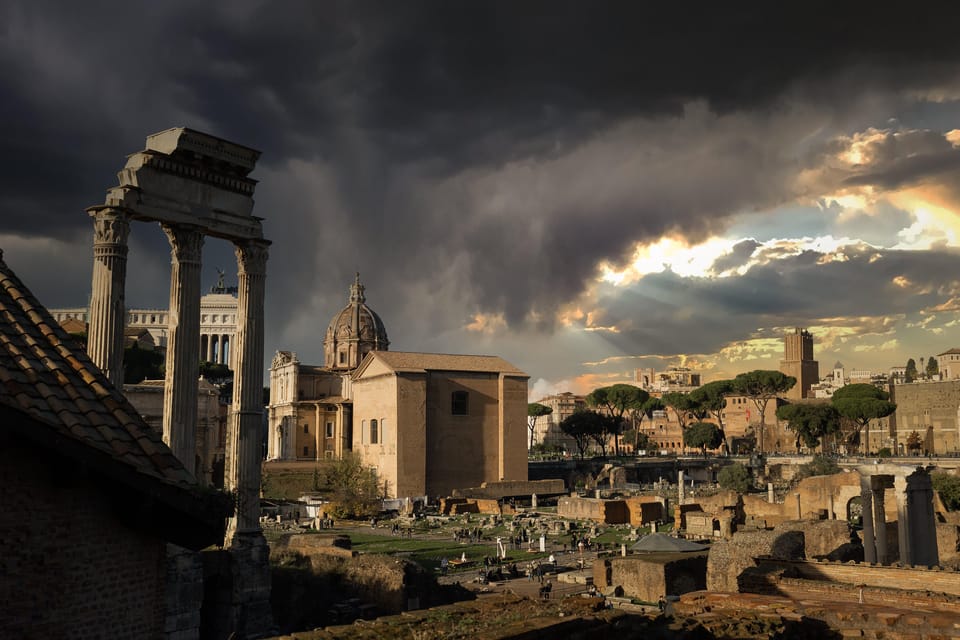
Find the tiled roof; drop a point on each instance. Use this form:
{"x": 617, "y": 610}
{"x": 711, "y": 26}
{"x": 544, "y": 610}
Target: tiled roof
{"x": 409, "y": 361}
{"x": 949, "y": 352}
{"x": 45, "y": 375}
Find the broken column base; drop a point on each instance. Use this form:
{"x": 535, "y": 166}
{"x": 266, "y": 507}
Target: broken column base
{"x": 237, "y": 589}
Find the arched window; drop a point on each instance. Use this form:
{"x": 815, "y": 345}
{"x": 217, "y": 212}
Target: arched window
{"x": 374, "y": 439}
{"x": 458, "y": 403}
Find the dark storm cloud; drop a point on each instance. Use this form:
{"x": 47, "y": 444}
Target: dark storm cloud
{"x": 739, "y": 255}
{"x": 488, "y": 154}
{"x": 795, "y": 291}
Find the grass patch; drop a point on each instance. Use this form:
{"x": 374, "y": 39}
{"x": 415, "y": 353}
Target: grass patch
{"x": 428, "y": 552}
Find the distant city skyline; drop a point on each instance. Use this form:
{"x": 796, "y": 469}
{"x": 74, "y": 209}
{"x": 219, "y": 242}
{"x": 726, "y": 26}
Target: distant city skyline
{"x": 580, "y": 191}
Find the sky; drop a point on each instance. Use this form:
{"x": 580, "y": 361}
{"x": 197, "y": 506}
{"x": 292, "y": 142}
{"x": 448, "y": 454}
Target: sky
{"x": 580, "y": 188}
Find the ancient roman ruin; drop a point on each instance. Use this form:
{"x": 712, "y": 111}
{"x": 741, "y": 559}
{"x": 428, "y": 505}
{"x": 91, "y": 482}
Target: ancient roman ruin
{"x": 195, "y": 185}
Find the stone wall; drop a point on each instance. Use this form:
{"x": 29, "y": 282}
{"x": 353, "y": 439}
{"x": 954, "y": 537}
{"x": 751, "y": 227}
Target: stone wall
{"x": 648, "y": 576}
{"x": 69, "y": 567}
{"x": 604, "y": 511}
{"x": 509, "y": 489}
{"x": 644, "y": 510}
{"x": 930, "y": 409}
{"x": 728, "y": 559}
{"x": 832, "y": 539}
{"x": 853, "y": 573}
{"x": 948, "y": 543}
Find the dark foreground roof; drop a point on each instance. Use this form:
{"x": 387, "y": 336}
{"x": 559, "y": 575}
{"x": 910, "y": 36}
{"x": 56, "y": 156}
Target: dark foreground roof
{"x": 53, "y": 397}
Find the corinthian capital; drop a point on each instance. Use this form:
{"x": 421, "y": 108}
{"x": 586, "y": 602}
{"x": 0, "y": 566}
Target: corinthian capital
{"x": 110, "y": 226}
{"x": 252, "y": 257}
{"x": 186, "y": 242}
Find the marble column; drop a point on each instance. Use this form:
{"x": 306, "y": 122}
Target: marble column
{"x": 247, "y": 546}
{"x": 111, "y": 228}
{"x": 246, "y": 415}
{"x": 866, "y": 504}
{"x": 923, "y": 523}
{"x": 903, "y": 519}
{"x": 182, "y": 366}
{"x": 880, "y": 522}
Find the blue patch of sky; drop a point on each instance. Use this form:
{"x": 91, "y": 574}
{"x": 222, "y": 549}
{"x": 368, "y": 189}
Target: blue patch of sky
{"x": 791, "y": 221}
{"x": 879, "y": 228}
{"x": 936, "y": 116}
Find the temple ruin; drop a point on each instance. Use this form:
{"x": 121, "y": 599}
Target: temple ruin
{"x": 196, "y": 185}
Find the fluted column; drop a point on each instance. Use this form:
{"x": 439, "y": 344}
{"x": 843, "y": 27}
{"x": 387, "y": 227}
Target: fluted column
{"x": 182, "y": 365}
{"x": 243, "y": 453}
{"x": 880, "y": 522}
{"x": 105, "y": 334}
{"x": 866, "y": 505}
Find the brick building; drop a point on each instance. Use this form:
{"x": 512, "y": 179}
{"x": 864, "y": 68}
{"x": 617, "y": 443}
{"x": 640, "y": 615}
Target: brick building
{"x": 93, "y": 500}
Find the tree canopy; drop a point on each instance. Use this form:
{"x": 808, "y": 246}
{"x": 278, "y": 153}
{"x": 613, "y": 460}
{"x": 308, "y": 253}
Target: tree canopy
{"x": 911, "y": 373}
{"x": 703, "y": 436}
{"x": 355, "y": 489}
{"x": 761, "y": 386}
{"x": 914, "y": 441}
{"x": 711, "y": 397}
{"x": 583, "y": 426}
{"x": 534, "y": 411}
{"x": 819, "y": 466}
{"x": 861, "y": 403}
{"x": 682, "y": 404}
{"x": 948, "y": 487}
{"x": 141, "y": 364}
{"x": 618, "y": 400}
{"x": 642, "y": 441}
{"x": 810, "y": 422}
{"x": 932, "y": 367}
{"x": 735, "y": 477}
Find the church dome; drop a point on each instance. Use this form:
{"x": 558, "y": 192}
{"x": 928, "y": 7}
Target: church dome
{"x": 353, "y": 332}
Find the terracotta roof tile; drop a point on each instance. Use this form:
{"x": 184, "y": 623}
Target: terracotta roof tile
{"x": 445, "y": 362}
{"x": 62, "y": 390}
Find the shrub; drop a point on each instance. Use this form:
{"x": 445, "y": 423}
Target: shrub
{"x": 819, "y": 466}
{"x": 735, "y": 477}
{"x": 948, "y": 486}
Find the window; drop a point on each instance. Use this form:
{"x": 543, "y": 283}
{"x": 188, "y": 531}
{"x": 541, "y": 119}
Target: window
{"x": 343, "y": 357}
{"x": 374, "y": 436}
{"x": 329, "y": 429}
{"x": 306, "y": 428}
{"x": 306, "y": 451}
{"x": 458, "y": 403}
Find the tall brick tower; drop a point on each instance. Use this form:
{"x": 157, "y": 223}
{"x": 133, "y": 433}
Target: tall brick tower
{"x": 798, "y": 362}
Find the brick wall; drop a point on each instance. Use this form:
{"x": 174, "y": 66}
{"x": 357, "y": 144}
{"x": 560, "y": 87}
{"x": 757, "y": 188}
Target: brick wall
{"x": 69, "y": 568}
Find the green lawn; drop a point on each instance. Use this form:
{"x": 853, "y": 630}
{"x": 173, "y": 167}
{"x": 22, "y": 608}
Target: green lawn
{"x": 429, "y": 551}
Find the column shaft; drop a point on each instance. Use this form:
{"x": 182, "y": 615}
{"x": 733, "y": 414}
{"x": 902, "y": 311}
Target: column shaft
{"x": 182, "y": 365}
{"x": 880, "y": 524}
{"x": 903, "y": 520}
{"x": 243, "y": 454}
{"x": 107, "y": 317}
{"x": 866, "y": 503}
